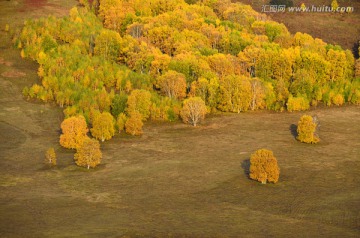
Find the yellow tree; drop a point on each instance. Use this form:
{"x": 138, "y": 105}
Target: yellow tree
{"x": 306, "y": 130}
{"x": 173, "y": 84}
{"x": 334, "y": 5}
{"x": 89, "y": 154}
{"x": 74, "y": 131}
{"x": 50, "y": 156}
{"x": 264, "y": 167}
{"x": 103, "y": 126}
{"x": 107, "y": 45}
{"x": 235, "y": 94}
{"x": 121, "y": 121}
{"x": 193, "y": 110}
{"x": 134, "y": 124}
{"x": 139, "y": 101}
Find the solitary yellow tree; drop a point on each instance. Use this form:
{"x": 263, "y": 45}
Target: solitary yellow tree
{"x": 89, "y": 154}
{"x": 50, "y": 156}
{"x": 303, "y": 7}
{"x": 193, "y": 110}
{"x": 74, "y": 131}
{"x": 306, "y": 130}
{"x": 264, "y": 167}
{"x": 334, "y": 5}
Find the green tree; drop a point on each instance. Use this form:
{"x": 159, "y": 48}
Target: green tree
{"x": 264, "y": 167}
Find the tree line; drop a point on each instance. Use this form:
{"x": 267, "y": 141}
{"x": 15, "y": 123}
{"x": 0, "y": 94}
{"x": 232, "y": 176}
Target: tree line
{"x": 119, "y": 63}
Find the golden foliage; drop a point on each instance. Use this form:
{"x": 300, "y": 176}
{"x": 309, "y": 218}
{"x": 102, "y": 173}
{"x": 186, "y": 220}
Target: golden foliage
{"x": 264, "y": 167}
{"x": 173, "y": 84}
{"x": 74, "y": 131}
{"x": 338, "y": 99}
{"x": 89, "y": 154}
{"x": 134, "y": 124}
{"x": 306, "y": 130}
{"x": 50, "y": 156}
{"x": 139, "y": 101}
{"x": 193, "y": 110}
{"x": 121, "y": 121}
{"x": 297, "y": 104}
{"x": 103, "y": 126}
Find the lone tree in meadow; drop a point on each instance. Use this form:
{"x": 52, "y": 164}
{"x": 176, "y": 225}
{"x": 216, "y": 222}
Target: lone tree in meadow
{"x": 89, "y": 154}
{"x": 264, "y": 167}
{"x": 334, "y": 5}
{"x": 306, "y": 130}
{"x": 50, "y": 156}
{"x": 193, "y": 110}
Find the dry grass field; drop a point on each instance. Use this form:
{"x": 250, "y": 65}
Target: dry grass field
{"x": 175, "y": 180}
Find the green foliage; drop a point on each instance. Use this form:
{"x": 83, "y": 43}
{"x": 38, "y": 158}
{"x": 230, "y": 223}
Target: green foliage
{"x": 118, "y": 104}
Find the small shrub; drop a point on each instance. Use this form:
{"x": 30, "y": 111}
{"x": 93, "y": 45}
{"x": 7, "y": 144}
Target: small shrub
{"x": 50, "y": 156}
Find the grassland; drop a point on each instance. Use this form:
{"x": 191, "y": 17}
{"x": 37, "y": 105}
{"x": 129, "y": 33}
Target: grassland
{"x": 175, "y": 180}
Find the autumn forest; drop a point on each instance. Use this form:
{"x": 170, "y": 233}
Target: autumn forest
{"x": 155, "y": 117}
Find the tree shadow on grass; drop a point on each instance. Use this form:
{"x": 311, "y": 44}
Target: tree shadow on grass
{"x": 246, "y": 167}
{"x": 293, "y": 130}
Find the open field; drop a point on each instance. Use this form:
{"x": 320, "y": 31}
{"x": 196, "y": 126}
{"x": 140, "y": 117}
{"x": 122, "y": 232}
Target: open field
{"x": 333, "y": 28}
{"x": 175, "y": 180}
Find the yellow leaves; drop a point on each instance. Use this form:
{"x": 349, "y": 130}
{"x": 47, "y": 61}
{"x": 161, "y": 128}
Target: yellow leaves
{"x": 74, "y": 131}
{"x": 306, "y": 130}
{"x": 297, "y": 103}
{"x": 114, "y": 12}
{"x": 193, "y": 110}
{"x": 74, "y": 13}
{"x": 50, "y": 156}
{"x": 139, "y": 101}
{"x": 103, "y": 126}
{"x": 134, "y": 124}
{"x": 338, "y": 99}
{"x": 235, "y": 94}
{"x": 121, "y": 121}
{"x": 172, "y": 84}
{"x": 264, "y": 167}
{"x": 88, "y": 154}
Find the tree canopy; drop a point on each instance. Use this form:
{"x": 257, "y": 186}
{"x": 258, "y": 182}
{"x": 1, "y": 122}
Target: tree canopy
{"x": 127, "y": 56}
